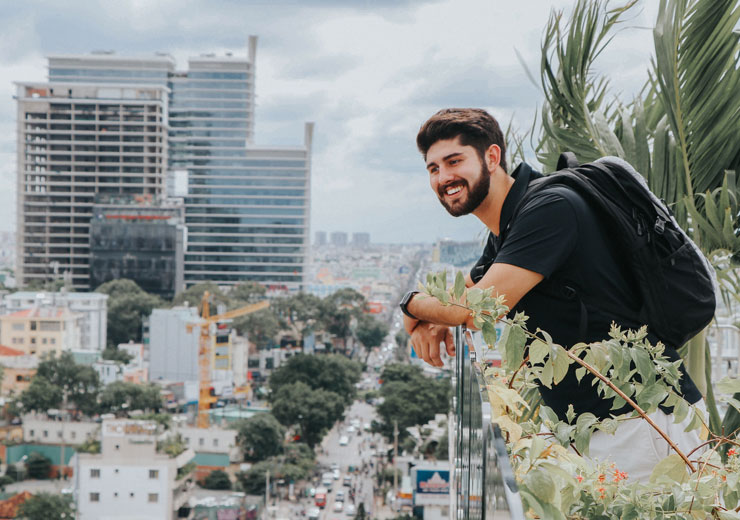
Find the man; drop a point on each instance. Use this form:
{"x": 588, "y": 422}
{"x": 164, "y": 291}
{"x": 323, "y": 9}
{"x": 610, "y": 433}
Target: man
{"x": 549, "y": 259}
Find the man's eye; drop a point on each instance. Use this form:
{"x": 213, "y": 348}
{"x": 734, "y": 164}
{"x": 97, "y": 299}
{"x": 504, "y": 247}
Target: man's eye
{"x": 454, "y": 161}
{"x": 433, "y": 169}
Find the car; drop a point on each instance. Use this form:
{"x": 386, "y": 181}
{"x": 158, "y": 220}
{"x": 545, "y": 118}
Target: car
{"x": 351, "y": 429}
{"x": 343, "y": 440}
{"x": 349, "y": 509}
{"x": 334, "y": 465}
{"x": 347, "y": 481}
{"x": 311, "y": 492}
{"x": 338, "y": 506}
{"x": 339, "y": 497}
{"x": 314, "y": 513}
{"x": 336, "y": 474}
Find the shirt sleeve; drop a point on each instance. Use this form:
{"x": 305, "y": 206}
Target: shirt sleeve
{"x": 542, "y": 236}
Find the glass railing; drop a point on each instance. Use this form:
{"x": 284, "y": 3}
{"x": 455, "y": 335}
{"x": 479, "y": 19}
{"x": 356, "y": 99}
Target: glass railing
{"x": 483, "y": 481}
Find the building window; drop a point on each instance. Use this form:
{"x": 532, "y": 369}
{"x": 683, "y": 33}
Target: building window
{"x": 131, "y": 495}
{"x": 118, "y": 446}
{"x": 95, "y": 473}
{"x": 94, "y": 497}
{"x": 153, "y": 497}
{"x": 59, "y": 434}
{"x": 215, "y": 443}
{"x": 19, "y": 378}
{"x": 115, "y": 494}
{"x": 33, "y": 325}
{"x": 33, "y": 341}
{"x": 31, "y": 433}
{"x": 201, "y": 441}
{"x": 53, "y": 341}
{"x": 187, "y": 441}
{"x": 153, "y": 473}
{"x": 46, "y": 433}
{"x": 74, "y": 435}
{"x": 43, "y": 341}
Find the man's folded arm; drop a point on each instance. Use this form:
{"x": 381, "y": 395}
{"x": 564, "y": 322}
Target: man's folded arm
{"x": 512, "y": 281}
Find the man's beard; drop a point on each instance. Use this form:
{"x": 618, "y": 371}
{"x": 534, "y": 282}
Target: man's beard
{"x": 476, "y": 194}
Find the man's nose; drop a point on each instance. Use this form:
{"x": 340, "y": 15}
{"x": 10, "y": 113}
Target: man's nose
{"x": 445, "y": 175}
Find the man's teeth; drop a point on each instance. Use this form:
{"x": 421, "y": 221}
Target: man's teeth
{"x": 453, "y": 190}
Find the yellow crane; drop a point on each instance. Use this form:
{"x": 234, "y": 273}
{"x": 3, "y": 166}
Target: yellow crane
{"x": 205, "y": 399}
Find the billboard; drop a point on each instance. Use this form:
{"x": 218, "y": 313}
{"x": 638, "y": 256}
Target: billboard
{"x": 431, "y": 487}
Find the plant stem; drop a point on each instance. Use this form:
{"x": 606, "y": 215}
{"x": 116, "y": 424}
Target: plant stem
{"x": 633, "y": 405}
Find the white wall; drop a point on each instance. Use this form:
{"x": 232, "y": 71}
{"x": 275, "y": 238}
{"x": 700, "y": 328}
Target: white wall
{"x": 173, "y": 351}
{"x": 44, "y": 431}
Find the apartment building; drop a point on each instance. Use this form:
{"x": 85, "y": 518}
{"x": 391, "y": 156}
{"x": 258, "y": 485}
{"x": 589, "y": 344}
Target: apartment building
{"x": 130, "y": 478}
{"x": 92, "y": 307}
{"x": 40, "y": 331}
{"x": 108, "y": 124}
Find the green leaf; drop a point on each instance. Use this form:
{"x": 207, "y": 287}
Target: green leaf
{"x": 541, "y": 484}
{"x": 441, "y": 295}
{"x": 671, "y": 467}
{"x": 459, "y": 285}
{"x": 651, "y": 395}
{"x": 644, "y": 364}
{"x": 570, "y": 414}
{"x": 728, "y": 385}
{"x": 512, "y": 343}
{"x": 475, "y": 295}
{"x": 538, "y": 350}
{"x": 546, "y": 376}
{"x": 608, "y": 426}
{"x": 489, "y": 333}
{"x": 728, "y": 515}
{"x": 680, "y": 411}
{"x": 561, "y": 362}
{"x": 580, "y": 372}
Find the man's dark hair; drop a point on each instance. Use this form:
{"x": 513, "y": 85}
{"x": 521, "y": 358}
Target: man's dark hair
{"x": 474, "y": 127}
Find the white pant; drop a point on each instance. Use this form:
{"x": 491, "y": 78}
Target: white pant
{"x": 636, "y": 447}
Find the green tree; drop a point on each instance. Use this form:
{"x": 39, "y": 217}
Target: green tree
{"x": 252, "y": 481}
{"x": 679, "y": 132}
{"x": 193, "y": 296}
{"x": 46, "y": 506}
{"x": 340, "y": 309}
{"x": 127, "y": 305}
{"x": 79, "y": 384}
{"x": 41, "y": 395}
{"x": 370, "y": 331}
{"x": 134, "y": 396}
{"x": 115, "y": 354}
{"x": 334, "y": 373}
{"x": 410, "y": 398}
{"x": 260, "y": 436}
{"x": 217, "y": 479}
{"x": 313, "y": 411}
{"x": 38, "y": 466}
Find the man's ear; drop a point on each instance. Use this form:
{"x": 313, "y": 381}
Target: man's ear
{"x": 493, "y": 157}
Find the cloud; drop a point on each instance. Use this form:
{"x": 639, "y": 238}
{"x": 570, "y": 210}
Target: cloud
{"x": 367, "y": 72}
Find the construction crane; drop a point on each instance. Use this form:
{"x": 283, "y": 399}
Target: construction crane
{"x": 205, "y": 399}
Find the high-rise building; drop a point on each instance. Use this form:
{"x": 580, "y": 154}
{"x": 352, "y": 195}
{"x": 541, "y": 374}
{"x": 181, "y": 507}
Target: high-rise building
{"x": 247, "y": 207}
{"x": 360, "y": 239}
{"x": 320, "y": 238}
{"x": 138, "y": 239}
{"x": 338, "y": 238}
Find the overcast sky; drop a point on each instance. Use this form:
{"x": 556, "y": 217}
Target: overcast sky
{"x": 367, "y": 72}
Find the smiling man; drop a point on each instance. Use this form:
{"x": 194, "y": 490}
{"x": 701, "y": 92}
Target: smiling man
{"x": 547, "y": 260}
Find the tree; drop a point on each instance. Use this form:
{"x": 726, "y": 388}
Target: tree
{"x": 46, "y": 506}
{"x": 340, "y": 309}
{"x": 41, "y": 395}
{"x": 193, "y": 296}
{"x": 410, "y": 398}
{"x": 134, "y": 396}
{"x": 314, "y": 411}
{"x": 261, "y": 327}
{"x": 679, "y": 133}
{"x": 334, "y": 373}
{"x": 217, "y": 479}
{"x": 116, "y": 354}
{"x": 370, "y": 331}
{"x": 260, "y": 436}
{"x": 127, "y": 305}
{"x": 38, "y": 466}
{"x": 79, "y": 384}
{"x": 252, "y": 481}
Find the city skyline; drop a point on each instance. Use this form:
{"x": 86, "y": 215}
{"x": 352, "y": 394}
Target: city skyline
{"x": 329, "y": 62}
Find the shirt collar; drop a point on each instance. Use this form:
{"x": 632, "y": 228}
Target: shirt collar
{"x": 522, "y": 175}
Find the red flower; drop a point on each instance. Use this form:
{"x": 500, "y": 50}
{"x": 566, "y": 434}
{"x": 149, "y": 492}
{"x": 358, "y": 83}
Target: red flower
{"x": 731, "y": 452}
{"x": 602, "y": 478}
{"x": 579, "y": 478}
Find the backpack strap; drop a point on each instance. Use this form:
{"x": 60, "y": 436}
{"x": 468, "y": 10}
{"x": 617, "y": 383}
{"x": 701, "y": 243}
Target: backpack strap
{"x": 567, "y": 160}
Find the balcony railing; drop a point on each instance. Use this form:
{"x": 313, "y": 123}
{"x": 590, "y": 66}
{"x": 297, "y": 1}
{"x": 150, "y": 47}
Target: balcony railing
{"x": 483, "y": 484}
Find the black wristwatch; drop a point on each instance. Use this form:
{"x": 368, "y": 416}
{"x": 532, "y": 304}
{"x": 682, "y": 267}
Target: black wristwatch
{"x": 405, "y": 303}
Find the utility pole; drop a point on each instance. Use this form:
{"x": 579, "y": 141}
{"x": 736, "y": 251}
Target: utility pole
{"x": 395, "y": 457}
{"x": 267, "y": 491}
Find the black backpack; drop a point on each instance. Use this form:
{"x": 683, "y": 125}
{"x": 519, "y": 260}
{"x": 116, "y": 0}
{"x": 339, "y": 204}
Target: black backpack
{"x": 675, "y": 281}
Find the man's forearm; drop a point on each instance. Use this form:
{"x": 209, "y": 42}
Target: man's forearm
{"x": 428, "y": 308}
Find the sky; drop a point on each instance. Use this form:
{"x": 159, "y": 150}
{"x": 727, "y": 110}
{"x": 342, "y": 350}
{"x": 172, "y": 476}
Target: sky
{"x": 368, "y": 73}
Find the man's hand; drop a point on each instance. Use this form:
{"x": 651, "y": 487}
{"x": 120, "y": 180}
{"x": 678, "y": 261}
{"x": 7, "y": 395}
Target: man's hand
{"x": 426, "y": 338}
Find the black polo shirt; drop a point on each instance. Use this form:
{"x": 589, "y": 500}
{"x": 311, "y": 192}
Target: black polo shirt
{"x": 557, "y": 235}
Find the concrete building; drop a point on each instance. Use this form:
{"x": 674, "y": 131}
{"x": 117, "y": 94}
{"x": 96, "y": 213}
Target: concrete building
{"x": 41, "y": 330}
{"x": 40, "y": 429}
{"x": 338, "y": 238}
{"x": 320, "y": 238}
{"x": 76, "y": 140}
{"x": 140, "y": 239}
{"x": 18, "y": 369}
{"x": 130, "y": 478}
{"x": 92, "y": 306}
{"x": 173, "y": 351}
